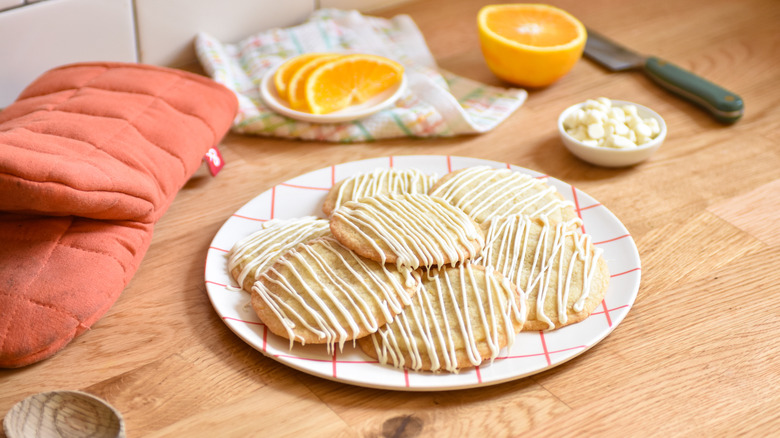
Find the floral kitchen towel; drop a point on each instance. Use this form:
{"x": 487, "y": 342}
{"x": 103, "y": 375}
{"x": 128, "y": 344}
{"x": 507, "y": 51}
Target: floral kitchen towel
{"x": 436, "y": 103}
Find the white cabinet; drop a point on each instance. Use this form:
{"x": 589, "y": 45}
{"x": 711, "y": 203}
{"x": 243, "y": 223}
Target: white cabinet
{"x": 167, "y": 28}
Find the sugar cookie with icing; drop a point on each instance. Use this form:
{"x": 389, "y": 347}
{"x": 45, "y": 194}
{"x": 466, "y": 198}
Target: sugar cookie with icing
{"x": 460, "y": 317}
{"x": 484, "y": 192}
{"x": 377, "y": 182}
{"x": 411, "y": 230}
{"x": 252, "y": 255}
{"x": 561, "y": 273}
{"x": 322, "y": 293}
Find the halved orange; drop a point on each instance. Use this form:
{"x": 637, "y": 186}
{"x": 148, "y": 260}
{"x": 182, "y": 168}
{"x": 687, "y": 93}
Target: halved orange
{"x": 531, "y": 45}
{"x": 350, "y": 79}
{"x": 286, "y": 71}
{"x": 296, "y": 88}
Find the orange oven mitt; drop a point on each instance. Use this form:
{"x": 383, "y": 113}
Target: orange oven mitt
{"x": 91, "y": 155}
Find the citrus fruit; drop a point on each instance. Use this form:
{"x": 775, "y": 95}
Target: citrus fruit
{"x": 348, "y": 80}
{"x": 531, "y": 45}
{"x": 286, "y": 71}
{"x": 296, "y": 88}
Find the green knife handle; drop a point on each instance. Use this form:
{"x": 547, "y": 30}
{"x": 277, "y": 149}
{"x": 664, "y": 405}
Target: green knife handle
{"x": 724, "y": 105}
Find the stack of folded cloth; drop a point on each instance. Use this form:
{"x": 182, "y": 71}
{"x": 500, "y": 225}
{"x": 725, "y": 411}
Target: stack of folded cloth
{"x": 91, "y": 156}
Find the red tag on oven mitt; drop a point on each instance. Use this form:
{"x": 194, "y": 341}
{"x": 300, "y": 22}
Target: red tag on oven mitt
{"x": 91, "y": 155}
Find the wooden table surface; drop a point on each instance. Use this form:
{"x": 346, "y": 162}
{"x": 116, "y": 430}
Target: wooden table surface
{"x": 697, "y": 354}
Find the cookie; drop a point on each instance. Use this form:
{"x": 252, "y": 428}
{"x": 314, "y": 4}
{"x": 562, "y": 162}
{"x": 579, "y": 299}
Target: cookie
{"x": 561, "y": 273}
{"x": 410, "y": 230}
{"x": 322, "y": 293}
{"x": 377, "y": 182}
{"x": 484, "y": 192}
{"x": 460, "y": 317}
{"x": 252, "y": 255}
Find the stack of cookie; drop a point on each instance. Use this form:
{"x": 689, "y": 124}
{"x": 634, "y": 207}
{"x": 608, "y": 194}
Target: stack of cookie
{"x": 424, "y": 273}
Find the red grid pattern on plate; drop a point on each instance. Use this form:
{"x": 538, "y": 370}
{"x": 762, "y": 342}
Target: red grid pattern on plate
{"x": 273, "y": 201}
{"x": 335, "y": 361}
{"x": 577, "y": 207}
{"x": 250, "y": 218}
{"x": 625, "y": 272}
{"x": 295, "y": 186}
{"x": 544, "y": 347}
{"x": 612, "y": 240}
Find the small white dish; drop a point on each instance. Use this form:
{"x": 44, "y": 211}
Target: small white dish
{"x": 354, "y": 112}
{"x": 612, "y": 157}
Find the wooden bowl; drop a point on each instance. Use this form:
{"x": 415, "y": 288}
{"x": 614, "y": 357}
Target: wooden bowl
{"x": 63, "y": 414}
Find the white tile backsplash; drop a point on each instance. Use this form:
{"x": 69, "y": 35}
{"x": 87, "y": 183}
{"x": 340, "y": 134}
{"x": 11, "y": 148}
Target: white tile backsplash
{"x": 37, "y": 37}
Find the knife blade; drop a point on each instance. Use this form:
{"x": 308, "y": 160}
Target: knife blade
{"x": 723, "y": 105}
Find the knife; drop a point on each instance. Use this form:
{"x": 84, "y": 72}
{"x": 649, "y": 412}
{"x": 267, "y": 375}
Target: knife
{"x": 724, "y": 105}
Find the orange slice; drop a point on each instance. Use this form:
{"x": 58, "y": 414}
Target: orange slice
{"x": 348, "y": 80}
{"x": 531, "y": 45}
{"x": 296, "y": 88}
{"x": 286, "y": 71}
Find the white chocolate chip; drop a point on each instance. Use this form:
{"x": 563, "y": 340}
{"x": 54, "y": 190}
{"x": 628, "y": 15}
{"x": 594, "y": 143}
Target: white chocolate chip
{"x": 620, "y": 142}
{"x": 605, "y": 102}
{"x": 598, "y": 123}
{"x": 620, "y": 128}
{"x": 579, "y": 133}
{"x": 654, "y": 126}
{"x": 593, "y": 116}
{"x": 595, "y": 131}
{"x": 595, "y": 104}
{"x": 643, "y": 130}
{"x": 617, "y": 114}
{"x": 571, "y": 120}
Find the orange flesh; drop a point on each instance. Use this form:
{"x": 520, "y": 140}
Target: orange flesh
{"x": 296, "y": 92}
{"x": 288, "y": 69}
{"x": 342, "y": 83}
{"x": 536, "y": 28}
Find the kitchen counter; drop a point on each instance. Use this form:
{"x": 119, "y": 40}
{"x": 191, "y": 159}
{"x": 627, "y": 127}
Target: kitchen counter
{"x": 697, "y": 354}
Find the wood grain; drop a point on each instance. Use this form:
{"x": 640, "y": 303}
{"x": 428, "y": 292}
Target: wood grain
{"x": 754, "y": 212}
{"x": 696, "y": 355}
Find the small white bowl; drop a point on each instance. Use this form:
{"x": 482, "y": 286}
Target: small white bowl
{"x": 612, "y": 157}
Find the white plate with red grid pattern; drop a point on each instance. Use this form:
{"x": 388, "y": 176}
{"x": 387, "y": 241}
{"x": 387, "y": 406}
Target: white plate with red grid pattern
{"x": 532, "y": 352}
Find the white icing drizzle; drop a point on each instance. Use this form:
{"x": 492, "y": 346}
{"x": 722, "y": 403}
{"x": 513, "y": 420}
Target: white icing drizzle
{"x": 334, "y": 296}
{"x": 419, "y": 229}
{"x": 508, "y": 250}
{"x": 499, "y": 192}
{"x": 259, "y": 250}
{"x": 475, "y": 309}
{"x": 383, "y": 181}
